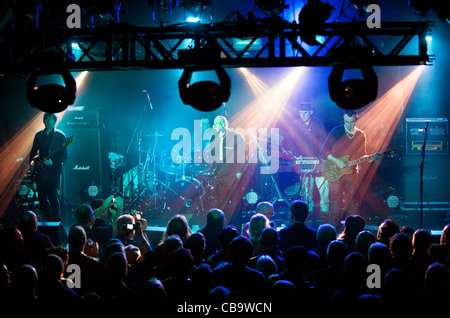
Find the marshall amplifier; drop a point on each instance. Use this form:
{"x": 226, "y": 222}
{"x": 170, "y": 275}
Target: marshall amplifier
{"x": 80, "y": 116}
{"x": 437, "y": 136}
{"x": 82, "y": 178}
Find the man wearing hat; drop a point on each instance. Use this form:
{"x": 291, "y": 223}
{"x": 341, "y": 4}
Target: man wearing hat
{"x": 306, "y": 136}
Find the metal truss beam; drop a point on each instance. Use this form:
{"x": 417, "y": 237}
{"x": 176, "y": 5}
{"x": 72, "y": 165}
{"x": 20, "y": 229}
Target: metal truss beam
{"x": 264, "y": 44}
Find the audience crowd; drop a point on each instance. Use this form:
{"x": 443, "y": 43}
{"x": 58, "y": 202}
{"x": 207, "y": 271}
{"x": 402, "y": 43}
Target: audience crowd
{"x": 109, "y": 255}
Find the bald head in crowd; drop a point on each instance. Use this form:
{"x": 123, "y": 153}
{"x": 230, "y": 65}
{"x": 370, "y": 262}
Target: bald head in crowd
{"x": 265, "y": 208}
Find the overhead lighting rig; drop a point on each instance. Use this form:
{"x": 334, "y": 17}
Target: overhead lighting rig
{"x": 50, "y": 97}
{"x": 203, "y": 95}
{"x": 352, "y": 93}
{"x": 362, "y": 5}
{"x": 426, "y": 7}
{"x": 196, "y": 6}
{"x": 271, "y": 7}
{"x": 312, "y": 18}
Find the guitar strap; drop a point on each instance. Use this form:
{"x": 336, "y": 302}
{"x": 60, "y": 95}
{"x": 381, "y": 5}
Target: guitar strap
{"x": 49, "y": 143}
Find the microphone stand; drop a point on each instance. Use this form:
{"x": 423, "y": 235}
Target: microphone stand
{"x": 139, "y": 121}
{"x": 138, "y": 124}
{"x": 135, "y": 129}
{"x": 421, "y": 173}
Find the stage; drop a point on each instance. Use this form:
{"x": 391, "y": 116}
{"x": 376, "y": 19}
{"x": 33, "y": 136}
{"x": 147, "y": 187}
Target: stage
{"x": 141, "y": 134}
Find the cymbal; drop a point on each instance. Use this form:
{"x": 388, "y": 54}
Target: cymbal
{"x": 114, "y": 156}
{"x": 155, "y": 134}
{"x": 148, "y": 151}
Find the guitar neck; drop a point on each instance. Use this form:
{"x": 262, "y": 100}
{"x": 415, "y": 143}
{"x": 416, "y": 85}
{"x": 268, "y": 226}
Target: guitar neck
{"x": 361, "y": 160}
{"x": 64, "y": 144}
{"x": 54, "y": 151}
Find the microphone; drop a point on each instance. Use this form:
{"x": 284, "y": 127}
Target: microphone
{"x": 148, "y": 98}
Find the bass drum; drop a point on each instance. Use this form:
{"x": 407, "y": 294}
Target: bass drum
{"x": 184, "y": 196}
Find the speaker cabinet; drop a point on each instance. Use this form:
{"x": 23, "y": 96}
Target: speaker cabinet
{"x": 55, "y": 231}
{"x": 82, "y": 178}
{"x": 436, "y": 179}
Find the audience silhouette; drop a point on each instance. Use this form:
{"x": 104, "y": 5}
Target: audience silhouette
{"x": 216, "y": 263}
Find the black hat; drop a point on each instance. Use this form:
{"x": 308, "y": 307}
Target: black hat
{"x": 304, "y": 106}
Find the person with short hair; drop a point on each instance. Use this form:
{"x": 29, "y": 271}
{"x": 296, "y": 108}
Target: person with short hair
{"x": 343, "y": 140}
{"x": 215, "y": 220}
{"x": 298, "y": 233}
{"x": 47, "y": 156}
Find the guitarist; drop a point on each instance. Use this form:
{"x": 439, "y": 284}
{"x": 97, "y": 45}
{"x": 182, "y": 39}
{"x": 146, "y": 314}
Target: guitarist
{"x": 48, "y": 170}
{"x": 343, "y": 140}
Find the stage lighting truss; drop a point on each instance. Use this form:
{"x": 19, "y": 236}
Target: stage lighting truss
{"x": 118, "y": 46}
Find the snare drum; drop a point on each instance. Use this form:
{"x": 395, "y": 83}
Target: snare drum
{"x": 198, "y": 164}
{"x": 167, "y": 165}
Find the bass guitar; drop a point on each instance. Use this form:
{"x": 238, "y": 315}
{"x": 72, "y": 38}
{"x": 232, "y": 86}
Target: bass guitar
{"x": 331, "y": 171}
{"x": 38, "y": 166}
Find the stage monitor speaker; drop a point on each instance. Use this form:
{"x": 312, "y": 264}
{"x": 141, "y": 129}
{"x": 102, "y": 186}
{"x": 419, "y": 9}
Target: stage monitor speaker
{"x": 155, "y": 234}
{"x": 55, "y": 231}
{"x": 82, "y": 179}
{"x": 436, "y": 179}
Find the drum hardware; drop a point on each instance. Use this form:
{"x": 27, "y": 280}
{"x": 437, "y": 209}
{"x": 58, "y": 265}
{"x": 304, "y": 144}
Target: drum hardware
{"x": 138, "y": 134}
{"x": 154, "y": 135}
{"x": 185, "y": 194}
{"x": 168, "y": 166}
{"x": 26, "y": 192}
{"x": 279, "y": 198}
{"x": 115, "y": 162}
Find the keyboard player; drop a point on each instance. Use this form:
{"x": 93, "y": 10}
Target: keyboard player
{"x": 305, "y": 138}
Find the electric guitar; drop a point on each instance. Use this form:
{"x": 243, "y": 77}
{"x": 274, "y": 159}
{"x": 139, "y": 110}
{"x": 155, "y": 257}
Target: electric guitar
{"x": 332, "y": 172}
{"x": 38, "y": 166}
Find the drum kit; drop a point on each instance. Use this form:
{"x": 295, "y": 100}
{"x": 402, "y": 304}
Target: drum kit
{"x": 158, "y": 184}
